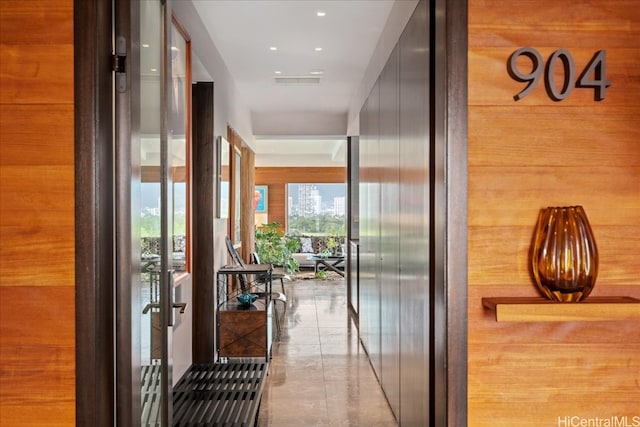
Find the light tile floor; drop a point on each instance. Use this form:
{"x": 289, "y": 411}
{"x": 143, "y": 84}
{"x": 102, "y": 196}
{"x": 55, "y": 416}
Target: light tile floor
{"x": 320, "y": 374}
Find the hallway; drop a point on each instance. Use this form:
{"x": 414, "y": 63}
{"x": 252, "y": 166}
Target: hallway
{"x": 320, "y": 374}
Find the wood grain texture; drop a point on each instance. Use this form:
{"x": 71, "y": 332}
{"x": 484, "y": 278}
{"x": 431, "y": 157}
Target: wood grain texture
{"x": 530, "y": 373}
{"x": 534, "y": 153}
{"x": 540, "y": 309}
{"x": 243, "y": 333}
{"x": 37, "y": 373}
{"x": 37, "y": 315}
{"x": 247, "y": 192}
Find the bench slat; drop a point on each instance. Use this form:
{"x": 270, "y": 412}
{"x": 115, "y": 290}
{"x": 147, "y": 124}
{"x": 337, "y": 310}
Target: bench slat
{"x": 225, "y": 394}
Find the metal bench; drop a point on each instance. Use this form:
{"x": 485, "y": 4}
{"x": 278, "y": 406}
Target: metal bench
{"x": 220, "y": 394}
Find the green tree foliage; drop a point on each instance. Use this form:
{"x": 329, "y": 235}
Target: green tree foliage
{"x": 150, "y": 225}
{"x": 323, "y": 224}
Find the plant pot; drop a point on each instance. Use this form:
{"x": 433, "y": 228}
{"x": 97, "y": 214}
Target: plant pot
{"x": 564, "y": 256}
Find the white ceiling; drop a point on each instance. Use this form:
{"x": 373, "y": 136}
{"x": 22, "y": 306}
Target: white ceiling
{"x": 292, "y": 122}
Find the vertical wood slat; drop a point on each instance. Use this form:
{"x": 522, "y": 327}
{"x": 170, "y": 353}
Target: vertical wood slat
{"x": 534, "y": 153}
{"x": 37, "y": 213}
{"x": 247, "y": 193}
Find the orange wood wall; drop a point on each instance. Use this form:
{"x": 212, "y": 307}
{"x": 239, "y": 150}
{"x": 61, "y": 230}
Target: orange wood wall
{"x": 277, "y": 179}
{"x": 37, "y": 310}
{"x": 534, "y": 153}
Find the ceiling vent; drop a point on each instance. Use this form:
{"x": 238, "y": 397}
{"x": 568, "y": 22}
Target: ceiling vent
{"x": 306, "y": 81}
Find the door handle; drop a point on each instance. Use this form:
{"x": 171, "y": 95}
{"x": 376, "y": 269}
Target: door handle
{"x": 150, "y": 306}
{"x": 169, "y": 298}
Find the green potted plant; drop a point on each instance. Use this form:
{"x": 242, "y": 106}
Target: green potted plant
{"x": 275, "y": 248}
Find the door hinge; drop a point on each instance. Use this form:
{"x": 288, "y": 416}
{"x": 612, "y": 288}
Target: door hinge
{"x": 119, "y": 64}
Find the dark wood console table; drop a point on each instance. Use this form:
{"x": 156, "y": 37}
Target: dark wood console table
{"x": 245, "y": 331}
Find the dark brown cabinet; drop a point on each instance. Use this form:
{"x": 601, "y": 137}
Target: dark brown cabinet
{"x": 244, "y": 331}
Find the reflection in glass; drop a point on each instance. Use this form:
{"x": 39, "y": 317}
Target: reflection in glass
{"x": 237, "y": 223}
{"x": 223, "y": 188}
{"x": 150, "y": 207}
{"x": 177, "y": 156}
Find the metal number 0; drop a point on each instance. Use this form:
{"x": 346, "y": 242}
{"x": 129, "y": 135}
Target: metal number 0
{"x": 569, "y": 71}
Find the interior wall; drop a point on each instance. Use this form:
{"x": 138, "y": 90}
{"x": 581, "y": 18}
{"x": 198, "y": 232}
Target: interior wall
{"x": 277, "y": 178}
{"x": 390, "y": 230}
{"x": 396, "y": 151}
{"x": 229, "y": 107}
{"x": 401, "y": 11}
{"x": 37, "y": 269}
{"x": 369, "y": 189}
{"x": 528, "y": 154}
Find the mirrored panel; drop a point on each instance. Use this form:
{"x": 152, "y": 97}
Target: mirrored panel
{"x": 223, "y": 177}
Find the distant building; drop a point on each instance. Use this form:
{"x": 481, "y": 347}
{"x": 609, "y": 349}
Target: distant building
{"x": 309, "y": 200}
{"x": 339, "y": 206}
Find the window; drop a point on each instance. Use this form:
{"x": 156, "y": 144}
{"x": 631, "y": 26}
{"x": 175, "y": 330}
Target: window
{"x": 317, "y": 209}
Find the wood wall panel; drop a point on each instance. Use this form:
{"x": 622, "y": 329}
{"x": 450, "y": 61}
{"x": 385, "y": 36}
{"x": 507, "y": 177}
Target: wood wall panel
{"x": 37, "y": 373}
{"x": 277, "y": 179}
{"x": 37, "y": 315}
{"x": 247, "y": 192}
{"x": 22, "y": 136}
{"x": 533, "y": 153}
{"x": 571, "y": 135}
{"x": 284, "y": 175}
{"x": 492, "y": 62}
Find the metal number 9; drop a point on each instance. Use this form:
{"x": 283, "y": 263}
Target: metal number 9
{"x": 532, "y": 77}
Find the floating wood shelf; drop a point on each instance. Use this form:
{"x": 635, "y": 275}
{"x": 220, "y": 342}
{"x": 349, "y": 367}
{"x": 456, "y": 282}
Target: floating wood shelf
{"x": 528, "y": 309}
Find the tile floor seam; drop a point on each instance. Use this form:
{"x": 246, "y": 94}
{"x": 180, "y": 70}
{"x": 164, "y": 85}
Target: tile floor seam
{"x": 293, "y": 396}
{"x": 324, "y": 374}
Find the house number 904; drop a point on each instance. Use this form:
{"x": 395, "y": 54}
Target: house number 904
{"x": 593, "y": 75}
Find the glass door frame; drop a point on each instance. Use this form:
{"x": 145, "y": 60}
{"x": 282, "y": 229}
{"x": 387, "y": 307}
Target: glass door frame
{"x": 107, "y": 369}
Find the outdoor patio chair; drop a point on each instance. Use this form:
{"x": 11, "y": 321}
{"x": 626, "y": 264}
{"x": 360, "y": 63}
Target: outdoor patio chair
{"x": 275, "y": 274}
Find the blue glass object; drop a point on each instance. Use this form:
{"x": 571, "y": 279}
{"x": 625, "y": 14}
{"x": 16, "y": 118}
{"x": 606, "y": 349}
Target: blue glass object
{"x": 247, "y": 299}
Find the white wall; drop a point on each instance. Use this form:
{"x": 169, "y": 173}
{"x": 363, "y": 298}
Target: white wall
{"x": 398, "y": 18}
{"x": 229, "y": 109}
{"x": 209, "y": 66}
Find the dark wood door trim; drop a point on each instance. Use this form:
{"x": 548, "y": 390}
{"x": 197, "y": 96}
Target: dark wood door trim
{"x": 93, "y": 213}
{"x": 204, "y": 194}
{"x": 452, "y": 100}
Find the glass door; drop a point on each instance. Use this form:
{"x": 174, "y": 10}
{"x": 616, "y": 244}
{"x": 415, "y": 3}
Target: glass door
{"x": 152, "y": 94}
{"x": 154, "y": 213}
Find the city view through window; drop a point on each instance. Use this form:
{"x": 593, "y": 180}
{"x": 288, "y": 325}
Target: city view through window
{"x": 150, "y": 209}
{"x": 317, "y": 209}
{"x": 312, "y": 209}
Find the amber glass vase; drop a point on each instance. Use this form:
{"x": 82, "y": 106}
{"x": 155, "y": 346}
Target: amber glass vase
{"x": 564, "y": 256}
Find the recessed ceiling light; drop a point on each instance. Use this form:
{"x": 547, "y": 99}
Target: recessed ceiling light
{"x": 154, "y": 69}
{"x": 318, "y": 49}
{"x": 273, "y": 48}
{"x": 316, "y": 72}
{"x": 145, "y": 44}
{"x": 278, "y": 72}
{"x": 321, "y": 14}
